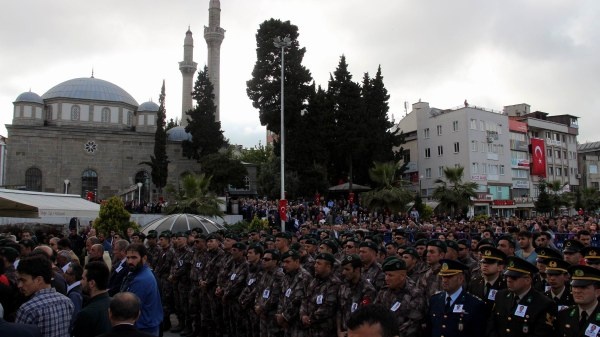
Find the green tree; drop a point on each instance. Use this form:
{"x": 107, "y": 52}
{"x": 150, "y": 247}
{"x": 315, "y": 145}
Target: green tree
{"x": 543, "y": 204}
{"x": 113, "y": 217}
{"x": 558, "y": 198}
{"x": 258, "y": 154}
{"x": 195, "y": 197}
{"x": 453, "y": 194}
{"x": 207, "y": 136}
{"x": 171, "y": 124}
{"x": 590, "y": 199}
{"x": 391, "y": 192}
{"x": 224, "y": 171}
{"x": 159, "y": 163}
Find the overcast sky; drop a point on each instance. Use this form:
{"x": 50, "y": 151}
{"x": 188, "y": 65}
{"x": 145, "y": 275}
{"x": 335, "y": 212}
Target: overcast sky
{"x": 492, "y": 53}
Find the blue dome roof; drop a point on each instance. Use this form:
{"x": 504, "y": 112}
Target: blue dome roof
{"x": 90, "y": 89}
{"x": 29, "y": 97}
{"x": 148, "y": 106}
{"x": 178, "y": 134}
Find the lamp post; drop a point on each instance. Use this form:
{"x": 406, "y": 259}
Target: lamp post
{"x": 67, "y": 186}
{"x": 420, "y": 190}
{"x": 286, "y": 42}
{"x": 139, "y": 193}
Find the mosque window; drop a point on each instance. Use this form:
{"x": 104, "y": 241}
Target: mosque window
{"x": 89, "y": 185}
{"x": 90, "y": 147}
{"x": 129, "y": 118}
{"x": 105, "y": 115}
{"x": 49, "y": 113}
{"x": 75, "y": 112}
{"x": 33, "y": 179}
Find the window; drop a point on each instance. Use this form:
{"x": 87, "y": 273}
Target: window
{"x": 439, "y": 130}
{"x": 49, "y": 113}
{"x": 75, "y": 112}
{"x": 557, "y": 154}
{"x": 89, "y": 185}
{"x": 440, "y": 171}
{"x": 474, "y": 146}
{"x": 474, "y": 167}
{"x": 129, "y": 118}
{"x": 501, "y": 170}
{"x": 548, "y": 135}
{"x": 493, "y": 169}
{"x": 483, "y": 168}
{"x": 520, "y": 173}
{"x": 105, "y": 115}
{"x": 33, "y": 179}
{"x": 565, "y": 154}
{"x": 440, "y": 150}
{"x": 473, "y": 124}
{"x": 426, "y": 133}
{"x": 559, "y": 171}
{"x": 455, "y": 126}
{"x": 427, "y": 153}
{"x": 550, "y": 170}
{"x": 456, "y": 147}
{"x": 428, "y": 173}
{"x": 482, "y": 125}
{"x": 549, "y": 153}
{"x": 501, "y": 149}
{"x": 593, "y": 169}
{"x": 406, "y": 156}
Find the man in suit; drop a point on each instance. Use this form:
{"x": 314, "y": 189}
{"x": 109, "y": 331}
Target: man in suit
{"x": 124, "y": 310}
{"x": 119, "y": 268}
{"x": 583, "y": 318}
{"x": 455, "y": 312}
{"x": 521, "y": 310}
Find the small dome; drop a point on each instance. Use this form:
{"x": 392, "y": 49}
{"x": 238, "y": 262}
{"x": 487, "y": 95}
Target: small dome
{"x": 181, "y": 223}
{"x": 148, "y": 106}
{"x": 90, "y": 89}
{"x": 30, "y": 97}
{"x": 178, "y": 134}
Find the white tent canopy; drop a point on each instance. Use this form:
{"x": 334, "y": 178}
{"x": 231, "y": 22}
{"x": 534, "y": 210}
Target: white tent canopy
{"x": 26, "y": 204}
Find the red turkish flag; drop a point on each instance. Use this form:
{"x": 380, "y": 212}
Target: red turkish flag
{"x": 538, "y": 157}
{"x": 283, "y": 209}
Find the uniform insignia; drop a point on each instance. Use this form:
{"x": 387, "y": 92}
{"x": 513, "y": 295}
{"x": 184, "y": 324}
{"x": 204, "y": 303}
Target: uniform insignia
{"x": 445, "y": 266}
{"x": 552, "y": 264}
{"x": 592, "y": 253}
{"x": 569, "y": 244}
{"x": 487, "y": 253}
{"x": 572, "y": 314}
{"x": 549, "y": 319}
{"x": 511, "y": 264}
{"x": 598, "y": 317}
{"x": 578, "y": 273}
{"x": 349, "y": 258}
{"x": 542, "y": 253}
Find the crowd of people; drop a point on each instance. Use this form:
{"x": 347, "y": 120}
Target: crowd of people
{"x": 388, "y": 276}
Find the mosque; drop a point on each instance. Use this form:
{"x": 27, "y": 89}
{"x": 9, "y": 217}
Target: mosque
{"x": 88, "y": 136}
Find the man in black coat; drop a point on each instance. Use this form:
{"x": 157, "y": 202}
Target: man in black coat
{"x": 124, "y": 310}
{"x": 583, "y": 318}
{"x": 93, "y": 320}
{"x": 455, "y": 312}
{"x": 521, "y": 310}
{"x": 18, "y": 330}
{"x": 119, "y": 267}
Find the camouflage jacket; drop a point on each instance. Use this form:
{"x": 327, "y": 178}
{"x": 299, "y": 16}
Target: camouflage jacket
{"x": 180, "y": 270}
{"x": 162, "y": 268}
{"x": 224, "y": 270}
{"x": 153, "y": 255}
{"x": 199, "y": 260}
{"x": 375, "y": 275}
{"x": 246, "y": 298}
{"x": 352, "y": 297}
{"x": 408, "y": 305}
{"x": 268, "y": 290}
{"x": 293, "y": 289}
{"x": 215, "y": 259}
{"x": 430, "y": 282}
{"x": 321, "y": 304}
{"x": 236, "y": 280}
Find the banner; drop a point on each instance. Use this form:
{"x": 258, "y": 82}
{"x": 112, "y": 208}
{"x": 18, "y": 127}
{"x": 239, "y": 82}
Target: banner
{"x": 538, "y": 158}
{"x": 283, "y": 210}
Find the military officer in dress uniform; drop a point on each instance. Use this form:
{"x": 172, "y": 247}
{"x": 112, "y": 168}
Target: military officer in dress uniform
{"x": 521, "y": 310}
{"x": 572, "y": 252}
{"x": 541, "y": 282}
{"x": 558, "y": 279}
{"x": 592, "y": 256}
{"x": 583, "y": 318}
{"x": 455, "y": 312}
{"x": 487, "y": 284}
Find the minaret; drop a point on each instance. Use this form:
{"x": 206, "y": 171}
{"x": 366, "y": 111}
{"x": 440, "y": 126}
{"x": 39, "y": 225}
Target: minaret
{"x": 214, "y": 35}
{"x": 188, "y": 68}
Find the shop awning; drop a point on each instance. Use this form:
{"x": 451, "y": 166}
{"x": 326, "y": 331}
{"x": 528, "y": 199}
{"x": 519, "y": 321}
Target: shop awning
{"x": 26, "y": 204}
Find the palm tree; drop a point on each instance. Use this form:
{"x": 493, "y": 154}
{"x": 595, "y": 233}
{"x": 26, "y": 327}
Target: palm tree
{"x": 557, "y": 195}
{"x": 391, "y": 192}
{"x": 195, "y": 197}
{"x": 590, "y": 199}
{"x": 452, "y": 193}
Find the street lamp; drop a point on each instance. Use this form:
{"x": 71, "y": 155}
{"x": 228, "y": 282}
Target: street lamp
{"x": 286, "y": 42}
{"x": 420, "y": 190}
{"x": 139, "y": 193}
{"x": 67, "y": 186}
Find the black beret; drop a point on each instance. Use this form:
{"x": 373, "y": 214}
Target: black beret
{"x": 452, "y": 244}
{"x": 327, "y": 257}
{"x": 165, "y": 234}
{"x": 394, "y": 264}
{"x": 232, "y": 236}
{"x": 463, "y": 242}
{"x": 438, "y": 243}
{"x": 151, "y": 236}
{"x": 213, "y": 236}
{"x": 180, "y": 235}
{"x": 370, "y": 244}
{"x": 331, "y": 244}
{"x": 311, "y": 241}
{"x": 421, "y": 242}
{"x": 239, "y": 245}
{"x": 296, "y": 246}
{"x": 411, "y": 251}
{"x": 290, "y": 253}
{"x": 352, "y": 259}
{"x": 285, "y": 235}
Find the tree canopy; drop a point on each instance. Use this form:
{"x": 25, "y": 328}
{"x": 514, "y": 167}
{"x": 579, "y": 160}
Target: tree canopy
{"x": 159, "y": 163}
{"x": 195, "y": 197}
{"x": 113, "y": 217}
{"x": 453, "y": 194}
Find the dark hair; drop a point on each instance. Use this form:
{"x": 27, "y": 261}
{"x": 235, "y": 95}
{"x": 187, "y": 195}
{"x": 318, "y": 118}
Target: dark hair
{"x": 139, "y": 248}
{"x": 77, "y": 270}
{"x": 372, "y": 315}
{"x": 98, "y": 271}
{"x": 525, "y": 234}
{"x": 36, "y": 265}
{"x": 258, "y": 249}
{"x": 508, "y": 239}
{"x": 125, "y": 306}
{"x": 582, "y": 232}
{"x": 65, "y": 243}
{"x": 274, "y": 254}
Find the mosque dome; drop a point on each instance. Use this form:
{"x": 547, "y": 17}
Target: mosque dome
{"x": 181, "y": 223}
{"x": 148, "y": 106}
{"x": 178, "y": 134}
{"x": 30, "y": 97}
{"x": 91, "y": 88}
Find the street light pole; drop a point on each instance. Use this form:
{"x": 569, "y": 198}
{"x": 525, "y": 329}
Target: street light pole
{"x": 286, "y": 42}
{"x": 67, "y": 186}
{"x": 139, "y": 193}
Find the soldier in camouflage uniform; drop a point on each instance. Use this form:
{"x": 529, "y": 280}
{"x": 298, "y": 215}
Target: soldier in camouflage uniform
{"x": 412, "y": 260}
{"x": 268, "y": 293}
{"x": 355, "y": 291}
{"x": 180, "y": 278}
{"x": 307, "y": 261}
{"x": 431, "y": 282}
{"x": 162, "y": 271}
{"x": 293, "y": 291}
{"x": 224, "y": 272}
{"x": 247, "y": 298}
{"x": 212, "y": 311}
{"x": 319, "y": 306}
{"x": 402, "y": 298}
{"x": 196, "y": 295}
{"x": 153, "y": 249}
{"x": 371, "y": 269}
{"x": 233, "y": 287}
